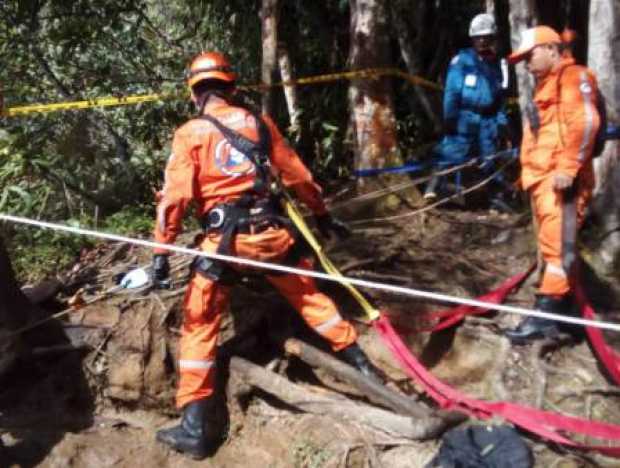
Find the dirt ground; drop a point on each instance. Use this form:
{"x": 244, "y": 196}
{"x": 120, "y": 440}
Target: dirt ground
{"x": 100, "y": 406}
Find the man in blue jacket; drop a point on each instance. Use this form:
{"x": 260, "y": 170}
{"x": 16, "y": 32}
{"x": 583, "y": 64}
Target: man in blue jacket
{"x": 474, "y": 99}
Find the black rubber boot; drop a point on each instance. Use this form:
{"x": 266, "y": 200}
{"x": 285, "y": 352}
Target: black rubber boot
{"x": 536, "y": 328}
{"x": 189, "y": 436}
{"x": 571, "y": 309}
{"x": 354, "y": 356}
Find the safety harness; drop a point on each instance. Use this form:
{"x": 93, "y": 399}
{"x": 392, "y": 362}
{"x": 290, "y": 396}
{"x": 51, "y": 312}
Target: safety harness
{"x": 255, "y": 211}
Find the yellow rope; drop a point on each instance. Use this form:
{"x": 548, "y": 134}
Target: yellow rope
{"x": 297, "y": 218}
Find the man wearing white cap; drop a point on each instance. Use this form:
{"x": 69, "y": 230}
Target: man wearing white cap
{"x": 556, "y": 167}
{"x": 473, "y": 105}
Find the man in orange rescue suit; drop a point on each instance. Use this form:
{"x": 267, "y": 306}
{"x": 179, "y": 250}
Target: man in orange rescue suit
{"x": 556, "y": 160}
{"x": 226, "y": 160}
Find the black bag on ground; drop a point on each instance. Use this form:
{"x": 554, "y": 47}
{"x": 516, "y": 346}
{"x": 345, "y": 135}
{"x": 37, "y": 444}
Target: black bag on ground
{"x": 482, "y": 447}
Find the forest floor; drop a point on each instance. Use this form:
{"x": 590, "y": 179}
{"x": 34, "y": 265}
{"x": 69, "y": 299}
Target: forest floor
{"x": 100, "y": 407}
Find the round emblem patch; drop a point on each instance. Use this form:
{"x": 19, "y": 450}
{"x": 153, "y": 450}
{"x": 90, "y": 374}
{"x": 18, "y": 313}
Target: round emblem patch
{"x": 232, "y": 162}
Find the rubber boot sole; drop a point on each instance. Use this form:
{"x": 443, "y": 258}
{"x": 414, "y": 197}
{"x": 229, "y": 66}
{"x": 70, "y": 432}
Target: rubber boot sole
{"x": 550, "y": 333}
{"x": 198, "y": 453}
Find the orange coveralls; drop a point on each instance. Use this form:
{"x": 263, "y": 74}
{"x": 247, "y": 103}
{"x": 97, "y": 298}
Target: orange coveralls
{"x": 205, "y": 168}
{"x": 563, "y": 144}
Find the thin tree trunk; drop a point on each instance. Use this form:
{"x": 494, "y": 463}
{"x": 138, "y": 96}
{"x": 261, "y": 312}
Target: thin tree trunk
{"x": 290, "y": 92}
{"x": 370, "y": 100}
{"x": 408, "y": 52}
{"x": 604, "y": 59}
{"x": 269, "y": 22}
{"x": 523, "y": 15}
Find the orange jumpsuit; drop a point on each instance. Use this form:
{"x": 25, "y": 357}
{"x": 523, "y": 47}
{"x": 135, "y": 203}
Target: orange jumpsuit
{"x": 205, "y": 168}
{"x": 563, "y": 143}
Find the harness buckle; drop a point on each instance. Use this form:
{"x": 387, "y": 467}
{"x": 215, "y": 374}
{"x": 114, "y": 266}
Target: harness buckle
{"x": 216, "y": 217}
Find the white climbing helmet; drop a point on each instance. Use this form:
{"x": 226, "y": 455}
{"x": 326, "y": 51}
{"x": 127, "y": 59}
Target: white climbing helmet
{"x": 482, "y": 25}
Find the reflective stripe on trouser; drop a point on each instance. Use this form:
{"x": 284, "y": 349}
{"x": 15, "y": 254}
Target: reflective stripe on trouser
{"x": 318, "y": 310}
{"x": 203, "y": 306}
{"x": 558, "y": 217}
{"x": 205, "y": 301}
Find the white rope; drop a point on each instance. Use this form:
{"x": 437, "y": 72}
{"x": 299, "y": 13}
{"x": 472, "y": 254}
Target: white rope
{"x": 315, "y": 274}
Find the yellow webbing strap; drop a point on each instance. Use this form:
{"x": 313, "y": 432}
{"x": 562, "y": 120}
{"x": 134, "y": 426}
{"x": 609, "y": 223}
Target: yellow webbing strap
{"x": 298, "y": 220}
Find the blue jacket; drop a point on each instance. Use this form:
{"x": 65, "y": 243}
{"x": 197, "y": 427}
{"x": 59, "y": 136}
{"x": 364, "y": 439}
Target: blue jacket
{"x": 473, "y": 107}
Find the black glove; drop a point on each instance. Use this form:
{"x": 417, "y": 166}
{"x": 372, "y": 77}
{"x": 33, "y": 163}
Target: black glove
{"x": 504, "y": 134}
{"x": 450, "y": 126}
{"x": 161, "y": 271}
{"x": 327, "y": 224}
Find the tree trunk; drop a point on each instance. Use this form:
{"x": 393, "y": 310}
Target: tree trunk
{"x": 370, "y": 100}
{"x": 523, "y": 14}
{"x": 14, "y": 311}
{"x": 269, "y": 21}
{"x": 604, "y": 59}
{"x": 408, "y": 51}
{"x": 290, "y": 92}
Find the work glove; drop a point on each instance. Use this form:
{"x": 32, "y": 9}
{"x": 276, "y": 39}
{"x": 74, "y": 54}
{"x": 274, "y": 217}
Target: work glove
{"x": 450, "y": 127}
{"x": 327, "y": 225}
{"x": 161, "y": 272}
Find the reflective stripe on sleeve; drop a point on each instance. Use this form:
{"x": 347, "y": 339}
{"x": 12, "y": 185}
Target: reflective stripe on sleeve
{"x": 196, "y": 364}
{"x": 586, "y": 92}
{"x": 161, "y": 216}
{"x": 555, "y": 270}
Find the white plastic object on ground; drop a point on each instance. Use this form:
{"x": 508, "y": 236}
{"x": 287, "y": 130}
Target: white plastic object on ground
{"x": 135, "y": 279}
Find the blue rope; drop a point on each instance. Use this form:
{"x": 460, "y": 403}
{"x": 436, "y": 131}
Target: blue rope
{"x": 420, "y": 166}
{"x": 410, "y": 167}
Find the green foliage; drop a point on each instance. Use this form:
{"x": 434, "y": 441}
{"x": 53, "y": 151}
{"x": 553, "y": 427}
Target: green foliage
{"x": 328, "y": 151}
{"x": 306, "y": 454}
{"x": 131, "y": 221}
{"x": 38, "y": 253}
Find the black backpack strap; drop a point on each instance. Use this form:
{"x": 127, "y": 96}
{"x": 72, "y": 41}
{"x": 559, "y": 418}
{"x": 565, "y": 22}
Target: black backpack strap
{"x": 258, "y": 152}
{"x": 252, "y": 149}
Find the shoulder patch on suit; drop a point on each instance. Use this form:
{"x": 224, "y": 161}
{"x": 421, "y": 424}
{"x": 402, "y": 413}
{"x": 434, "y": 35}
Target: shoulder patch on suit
{"x": 471, "y": 80}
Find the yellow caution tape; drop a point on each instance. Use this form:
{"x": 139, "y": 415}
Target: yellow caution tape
{"x": 369, "y": 73}
{"x": 87, "y": 104}
{"x": 298, "y": 220}
{"x": 372, "y": 73}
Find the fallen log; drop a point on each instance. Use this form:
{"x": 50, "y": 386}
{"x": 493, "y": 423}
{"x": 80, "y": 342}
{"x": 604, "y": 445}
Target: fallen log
{"x": 375, "y": 392}
{"x": 397, "y": 428}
